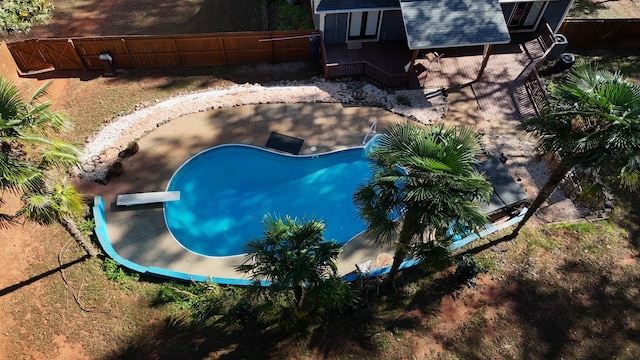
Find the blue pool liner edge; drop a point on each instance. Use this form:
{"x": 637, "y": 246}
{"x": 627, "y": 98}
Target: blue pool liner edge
{"x": 103, "y": 239}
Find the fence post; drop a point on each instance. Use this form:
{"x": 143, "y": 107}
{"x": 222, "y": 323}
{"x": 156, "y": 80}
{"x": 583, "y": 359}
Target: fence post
{"x": 224, "y": 50}
{"x": 70, "y": 41}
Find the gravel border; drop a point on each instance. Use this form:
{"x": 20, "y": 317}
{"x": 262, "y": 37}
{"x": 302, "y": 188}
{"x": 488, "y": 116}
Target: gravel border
{"x": 102, "y": 150}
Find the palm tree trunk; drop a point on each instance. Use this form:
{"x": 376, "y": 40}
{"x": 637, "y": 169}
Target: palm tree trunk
{"x": 556, "y": 177}
{"x": 298, "y": 292}
{"x": 402, "y": 246}
{"x": 398, "y": 258}
{"x": 77, "y": 235}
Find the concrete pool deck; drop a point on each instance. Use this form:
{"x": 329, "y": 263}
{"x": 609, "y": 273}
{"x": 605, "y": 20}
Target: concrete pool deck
{"x": 139, "y": 233}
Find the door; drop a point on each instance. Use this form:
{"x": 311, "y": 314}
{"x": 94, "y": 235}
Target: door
{"x": 525, "y": 15}
{"x": 364, "y": 25}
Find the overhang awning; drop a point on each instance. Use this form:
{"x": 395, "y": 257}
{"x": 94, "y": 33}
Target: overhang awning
{"x": 432, "y": 24}
{"x": 342, "y": 6}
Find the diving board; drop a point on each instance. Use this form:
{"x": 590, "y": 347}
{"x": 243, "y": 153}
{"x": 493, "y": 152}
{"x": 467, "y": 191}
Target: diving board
{"x": 147, "y": 198}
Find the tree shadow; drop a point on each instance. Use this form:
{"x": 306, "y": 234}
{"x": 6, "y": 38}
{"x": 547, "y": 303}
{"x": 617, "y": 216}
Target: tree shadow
{"x": 31, "y": 280}
{"x": 171, "y": 341}
{"x": 351, "y": 332}
{"x": 404, "y": 306}
{"x": 583, "y": 313}
{"x": 631, "y": 219}
{"x": 199, "y": 78}
{"x": 553, "y": 314}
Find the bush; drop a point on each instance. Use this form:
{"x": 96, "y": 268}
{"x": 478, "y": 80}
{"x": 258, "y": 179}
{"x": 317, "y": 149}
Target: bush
{"x": 467, "y": 270}
{"x": 291, "y": 17}
{"x": 21, "y": 15}
{"x": 117, "y": 274}
{"x": 86, "y": 227}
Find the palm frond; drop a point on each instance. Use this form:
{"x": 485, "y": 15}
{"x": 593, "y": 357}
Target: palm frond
{"x": 52, "y": 204}
{"x": 11, "y": 104}
{"x": 629, "y": 175}
{"x": 434, "y": 256}
{"x": 7, "y": 220}
{"x": 427, "y": 174}
{"x": 18, "y": 175}
{"x": 40, "y": 92}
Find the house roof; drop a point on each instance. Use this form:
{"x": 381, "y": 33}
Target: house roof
{"x": 431, "y": 24}
{"x": 333, "y": 6}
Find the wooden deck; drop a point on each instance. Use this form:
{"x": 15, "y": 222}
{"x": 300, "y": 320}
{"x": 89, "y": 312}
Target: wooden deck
{"x": 388, "y": 56}
{"x": 382, "y": 62}
{"x": 501, "y": 93}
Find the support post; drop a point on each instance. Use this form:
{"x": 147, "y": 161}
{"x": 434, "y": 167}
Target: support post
{"x": 485, "y": 59}
{"x": 409, "y": 67}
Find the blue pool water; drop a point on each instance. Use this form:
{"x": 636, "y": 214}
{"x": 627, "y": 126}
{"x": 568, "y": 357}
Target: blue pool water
{"x": 226, "y": 191}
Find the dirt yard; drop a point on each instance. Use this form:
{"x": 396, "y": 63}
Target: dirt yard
{"x": 562, "y": 293}
{"x": 146, "y": 17}
{"x": 604, "y": 9}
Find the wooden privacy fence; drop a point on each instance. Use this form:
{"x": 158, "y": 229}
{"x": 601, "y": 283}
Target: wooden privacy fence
{"x": 602, "y": 33}
{"x": 161, "y": 51}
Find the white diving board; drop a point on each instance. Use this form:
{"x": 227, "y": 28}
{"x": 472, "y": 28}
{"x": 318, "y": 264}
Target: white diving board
{"x": 147, "y": 198}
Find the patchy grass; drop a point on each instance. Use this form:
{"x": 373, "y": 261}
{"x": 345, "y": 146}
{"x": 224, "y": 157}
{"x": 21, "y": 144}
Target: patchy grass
{"x": 540, "y": 241}
{"x": 567, "y": 302}
{"x": 561, "y": 291}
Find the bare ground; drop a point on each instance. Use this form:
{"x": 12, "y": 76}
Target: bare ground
{"x": 40, "y": 321}
{"x": 453, "y": 314}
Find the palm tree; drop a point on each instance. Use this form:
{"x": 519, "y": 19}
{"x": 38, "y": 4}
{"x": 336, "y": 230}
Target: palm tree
{"x": 291, "y": 254}
{"x": 30, "y": 123}
{"x": 60, "y": 203}
{"x": 425, "y": 177}
{"x": 30, "y": 158}
{"x": 19, "y": 117}
{"x": 592, "y": 123}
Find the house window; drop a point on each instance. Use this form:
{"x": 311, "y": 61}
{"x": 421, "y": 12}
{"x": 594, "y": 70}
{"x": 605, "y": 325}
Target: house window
{"x": 364, "y": 25}
{"x": 525, "y": 15}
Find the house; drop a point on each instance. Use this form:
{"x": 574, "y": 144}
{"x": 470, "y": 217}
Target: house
{"x": 377, "y": 37}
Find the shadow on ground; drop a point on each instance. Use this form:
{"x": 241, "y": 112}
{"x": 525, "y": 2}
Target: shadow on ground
{"x": 199, "y": 77}
{"x": 363, "y": 332}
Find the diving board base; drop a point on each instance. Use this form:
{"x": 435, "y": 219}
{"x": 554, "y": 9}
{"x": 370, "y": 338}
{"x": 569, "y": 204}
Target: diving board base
{"x": 147, "y": 198}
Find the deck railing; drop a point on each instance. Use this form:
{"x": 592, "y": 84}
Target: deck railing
{"x": 362, "y": 68}
{"x": 536, "y": 89}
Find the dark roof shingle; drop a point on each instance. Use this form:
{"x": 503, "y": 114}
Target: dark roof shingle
{"x": 433, "y": 24}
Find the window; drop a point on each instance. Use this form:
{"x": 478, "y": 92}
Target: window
{"x": 525, "y": 15}
{"x": 364, "y": 25}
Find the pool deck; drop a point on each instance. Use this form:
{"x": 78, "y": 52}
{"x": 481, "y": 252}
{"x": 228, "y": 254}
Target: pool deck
{"x": 138, "y": 233}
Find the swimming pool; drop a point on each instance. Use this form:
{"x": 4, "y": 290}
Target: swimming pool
{"x": 226, "y": 191}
